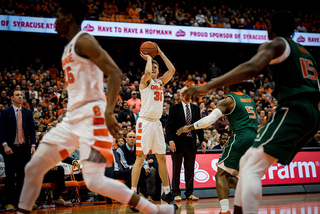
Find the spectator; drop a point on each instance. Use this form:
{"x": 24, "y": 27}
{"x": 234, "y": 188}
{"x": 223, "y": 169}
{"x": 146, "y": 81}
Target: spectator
{"x": 315, "y": 141}
{"x": 134, "y": 102}
{"x": 179, "y": 18}
{"x": 301, "y": 28}
{"x": 161, "y": 19}
{"x": 18, "y": 143}
{"x": 220, "y": 23}
{"x": 213, "y": 72}
{"x": 248, "y": 24}
{"x": 209, "y": 20}
{"x": 227, "y": 23}
{"x": 125, "y": 115}
{"x": 127, "y": 153}
{"x": 189, "y": 81}
{"x": 108, "y": 12}
{"x": 222, "y": 125}
{"x": 4, "y": 98}
{"x": 200, "y": 19}
{"x": 260, "y": 25}
{"x": 186, "y": 21}
{"x": 222, "y": 141}
{"x": 133, "y": 12}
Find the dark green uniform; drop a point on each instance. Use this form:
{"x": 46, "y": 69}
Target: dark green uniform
{"x": 244, "y": 124}
{"x": 296, "y": 118}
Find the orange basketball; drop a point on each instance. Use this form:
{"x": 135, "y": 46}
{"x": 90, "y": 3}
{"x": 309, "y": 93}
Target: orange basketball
{"x": 149, "y": 48}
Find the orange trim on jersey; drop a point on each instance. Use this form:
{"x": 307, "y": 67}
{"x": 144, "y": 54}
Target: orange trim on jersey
{"x": 103, "y": 144}
{"x": 139, "y": 131}
{"x": 138, "y": 145}
{"x": 238, "y": 93}
{"x": 64, "y": 154}
{"x": 101, "y": 132}
{"x": 107, "y": 155}
{"x": 248, "y": 100}
{"x": 150, "y": 152}
{"x": 98, "y": 121}
{"x": 138, "y": 137}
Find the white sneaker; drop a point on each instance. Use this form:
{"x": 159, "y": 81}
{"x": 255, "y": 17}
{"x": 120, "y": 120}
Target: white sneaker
{"x": 178, "y": 198}
{"x": 166, "y": 209}
{"x": 62, "y": 202}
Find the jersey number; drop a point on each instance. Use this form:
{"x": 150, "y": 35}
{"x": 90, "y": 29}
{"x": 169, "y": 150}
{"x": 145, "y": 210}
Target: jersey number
{"x": 307, "y": 70}
{"x": 249, "y": 110}
{"x": 157, "y": 96}
{"x": 68, "y": 75}
{"x": 97, "y": 111}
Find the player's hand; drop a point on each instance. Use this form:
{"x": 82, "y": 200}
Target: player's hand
{"x": 8, "y": 150}
{"x": 145, "y": 57}
{"x": 113, "y": 125}
{"x": 54, "y": 168}
{"x": 159, "y": 51}
{"x": 196, "y": 90}
{"x": 172, "y": 146}
{"x": 183, "y": 129}
{"x": 33, "y": 150}
{"x": 204, "y": 146}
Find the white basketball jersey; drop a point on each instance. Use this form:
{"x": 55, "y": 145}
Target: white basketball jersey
{"x": 84, "y": 80}
{"x": 152, "y": 100}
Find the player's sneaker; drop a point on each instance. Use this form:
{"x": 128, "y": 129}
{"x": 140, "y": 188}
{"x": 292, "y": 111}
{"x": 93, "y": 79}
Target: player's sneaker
{"x": 193, "y": 198}
{"x": 133, "y": 209}
{"x": 178, "y": 198}
{"x": 166, "y": 209}
{"x": 9, "y": 208}
{"x": 62, "y": 202}
{"x": 169, "y": 199}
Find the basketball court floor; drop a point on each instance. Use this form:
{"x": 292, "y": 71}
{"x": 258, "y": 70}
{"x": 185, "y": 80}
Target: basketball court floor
{"x": 273, "y": 204}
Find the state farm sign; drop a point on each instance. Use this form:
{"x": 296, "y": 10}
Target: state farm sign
{"x": 305, "y": 168}
{"x": 152, "y": 31}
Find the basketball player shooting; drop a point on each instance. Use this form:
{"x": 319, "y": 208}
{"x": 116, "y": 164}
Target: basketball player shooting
{"x": 89, "y": 123}
{"x": 149, "y": 130}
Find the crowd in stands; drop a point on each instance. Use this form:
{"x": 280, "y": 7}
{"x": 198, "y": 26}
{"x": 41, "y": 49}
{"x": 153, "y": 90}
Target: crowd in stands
{"x": 46, "y": 96}
{"x": 185, "y": 13}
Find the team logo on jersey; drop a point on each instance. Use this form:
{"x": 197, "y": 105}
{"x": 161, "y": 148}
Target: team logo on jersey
{"x": 89, "y": 28}
{"x": 180, "y": 33}
{"x": 301, "y": 39}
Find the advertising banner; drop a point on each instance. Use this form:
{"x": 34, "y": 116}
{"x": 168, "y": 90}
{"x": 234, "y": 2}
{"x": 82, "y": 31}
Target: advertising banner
{"x": 152, "y": 31}
{"x": 304, "y": 169}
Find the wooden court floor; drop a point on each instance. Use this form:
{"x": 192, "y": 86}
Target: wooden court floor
{"x": 275, "y": 204}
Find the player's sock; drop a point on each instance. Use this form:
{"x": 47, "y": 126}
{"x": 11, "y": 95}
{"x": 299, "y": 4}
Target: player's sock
{"x": 224, "y": 203}
{"x": 146, "y": 207}
{"x": 134, "y": 189}
{"x": 166, "y": 189}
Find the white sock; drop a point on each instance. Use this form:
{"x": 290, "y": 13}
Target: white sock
{"x": 166, "y": 189}
{"x": 224, "y": 203}
{"x": 146, "y": 207}
{"x": 134, "y": 189}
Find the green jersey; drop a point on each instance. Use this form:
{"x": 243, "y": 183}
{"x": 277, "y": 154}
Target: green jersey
{"x": 243, "y": 115}
{"x": 296, "y": 76}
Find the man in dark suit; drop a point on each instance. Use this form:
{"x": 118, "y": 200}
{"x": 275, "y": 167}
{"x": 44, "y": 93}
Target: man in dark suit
{"x": 183, "y": 146}
{"x": 18, "y": 142}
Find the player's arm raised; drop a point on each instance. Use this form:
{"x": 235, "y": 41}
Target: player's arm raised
{"x": 147, "y": 71}
{"x": 88, "y": 46}
{"x": 171, "y": 69}
{"x": 223, "y": 106}
{"x": 266, "y": 52}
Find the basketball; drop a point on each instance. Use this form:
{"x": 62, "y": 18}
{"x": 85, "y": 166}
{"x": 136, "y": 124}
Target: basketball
{"x": 149, "y": 48}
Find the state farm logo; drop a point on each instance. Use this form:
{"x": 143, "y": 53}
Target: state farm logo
{"x": 89, "y": 28}
{"x": 200, "y": 175}
{"x": 301, "y": 39}
{"x": 180, "y": 33}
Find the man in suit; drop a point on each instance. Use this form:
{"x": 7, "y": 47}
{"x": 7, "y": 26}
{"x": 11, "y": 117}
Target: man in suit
{"x": 18, "y": 142}
{"x": 183, "y": 146}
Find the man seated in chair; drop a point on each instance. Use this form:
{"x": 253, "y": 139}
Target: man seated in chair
{"x": 124, "y": 158}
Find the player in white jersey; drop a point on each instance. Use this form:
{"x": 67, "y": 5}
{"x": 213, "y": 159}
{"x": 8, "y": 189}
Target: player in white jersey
{"x": 89, "y": 123}
{"x": 149, "y": 132}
